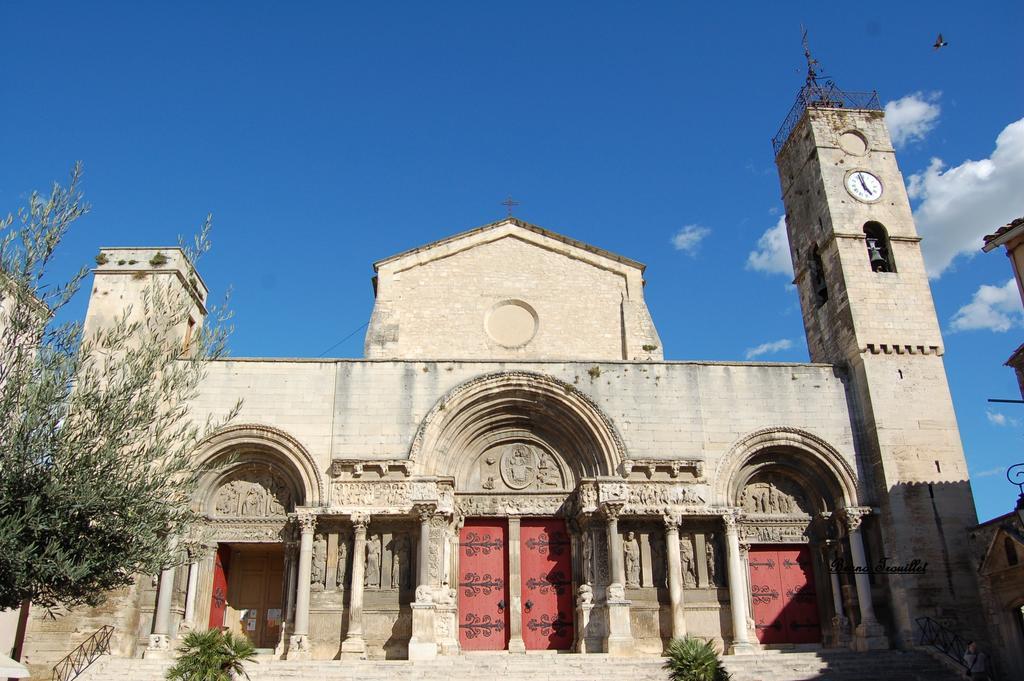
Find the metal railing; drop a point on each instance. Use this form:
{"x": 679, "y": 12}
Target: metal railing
{"x": 827, "y": 95}
{"x": 84, "y": 655}
{"x": 942, "y": 639}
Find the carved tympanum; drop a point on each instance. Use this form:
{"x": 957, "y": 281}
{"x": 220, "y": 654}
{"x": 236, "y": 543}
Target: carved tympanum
{"x": 774, "y": 495}
{"x": 519, "y": 467}
{"x": 253, "y": 494}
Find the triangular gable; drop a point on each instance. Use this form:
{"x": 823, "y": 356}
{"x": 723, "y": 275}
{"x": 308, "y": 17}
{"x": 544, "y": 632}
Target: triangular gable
{"x": 507, "y": 227}
{"x": 995, "y": 558}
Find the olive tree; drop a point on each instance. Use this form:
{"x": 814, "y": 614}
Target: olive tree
{"x": 97, "y": 439}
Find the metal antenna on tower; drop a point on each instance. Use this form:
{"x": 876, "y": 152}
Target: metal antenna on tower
{"x": 812, "y": 73}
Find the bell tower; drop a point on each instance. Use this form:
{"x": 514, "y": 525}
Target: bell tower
{"x": 867, "y": 308}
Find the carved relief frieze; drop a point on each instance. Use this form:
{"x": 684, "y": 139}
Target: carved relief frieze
{"x": 503, "y": 504}
{"x": 253, "y": 531}
{"x": 790, "y": 533}
{"x": 374, "y": 495}
{"x": 655, "y": 497}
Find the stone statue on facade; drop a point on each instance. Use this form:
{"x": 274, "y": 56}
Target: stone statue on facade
{"x": 687, "y": 560}
{"x": 318, "y": 568}
{"x": 631, "y": 551}
{"x": 712, "y": 555}
{"x": 399, "y": 560}
{"x": 340, "y": 572}
{"x": 372, "y": 579}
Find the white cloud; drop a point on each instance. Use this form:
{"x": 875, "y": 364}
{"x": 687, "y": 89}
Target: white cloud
{"x": 989, "y": 473}
{"x": 769, "y": 348}
{"x": 996, "y": 418}
{"x": 911, "y": 118}
{"x": 772, "y": 254}
{"x": 959, "y": 205}
{"x": 996, "y": 308}
{"x": 689, "y": 237}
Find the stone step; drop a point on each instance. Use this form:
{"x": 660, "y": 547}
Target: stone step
{"x": 803, "y": 665}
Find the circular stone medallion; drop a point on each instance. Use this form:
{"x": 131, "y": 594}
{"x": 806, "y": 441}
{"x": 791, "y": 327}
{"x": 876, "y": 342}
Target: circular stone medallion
{"x": 853, "y": 143}
{"x": 511, "y": 323}
{"x": 518, "y": 466}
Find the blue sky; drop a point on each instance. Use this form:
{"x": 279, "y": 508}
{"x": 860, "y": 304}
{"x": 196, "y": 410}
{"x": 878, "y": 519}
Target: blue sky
{"x": 324, "y": 136}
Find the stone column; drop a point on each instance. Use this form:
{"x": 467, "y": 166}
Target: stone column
{"x": 291, "y": 558}
{"x": 737, "y": 589}
{"x": 423, "y": 642}
{"x": 620, "y": 633}
{"x": 515, "y": 590}
{"x": 354, "y": 645}
{"x": 675, "y": 576}
{"x": 204, "y": 587}
{"x": 298, "y": 643}
{"x": 190, "y": 593}
{"x": 160, "y": 639}
{"x": 869, "y": 633}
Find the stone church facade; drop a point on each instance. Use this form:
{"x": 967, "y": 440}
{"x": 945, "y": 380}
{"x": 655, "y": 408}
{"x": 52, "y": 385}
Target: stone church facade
{"x": 514, "y": 465}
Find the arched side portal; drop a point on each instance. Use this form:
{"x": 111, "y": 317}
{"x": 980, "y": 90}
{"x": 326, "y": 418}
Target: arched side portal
{"x": 821, "y": 471}
{"x": 247, "y": 450}
{"x": 547, "y": 419}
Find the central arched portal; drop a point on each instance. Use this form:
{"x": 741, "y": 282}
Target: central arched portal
{"x": 517, "y": 445}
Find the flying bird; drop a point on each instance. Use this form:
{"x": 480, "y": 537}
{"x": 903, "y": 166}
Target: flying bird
{"x": 940, "y": 43}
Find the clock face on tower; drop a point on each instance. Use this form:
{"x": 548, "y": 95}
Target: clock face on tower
{"x": 864, "y": 186}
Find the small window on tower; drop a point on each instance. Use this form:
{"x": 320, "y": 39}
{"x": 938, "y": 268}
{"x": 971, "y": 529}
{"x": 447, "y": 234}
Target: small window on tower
{"x": 1011, "y": 551}
{"x": 189, "y": 330}
{"x": 817, "y": 273}
{"x": 879, "y": 254}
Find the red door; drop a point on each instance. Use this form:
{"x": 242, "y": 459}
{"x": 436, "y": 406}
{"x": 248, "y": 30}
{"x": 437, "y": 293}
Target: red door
{"x": 547, "y": 584}
{"x": 782, "y": 592}
{"x": 219, "y": 599}
{"x": 483, "y": 585}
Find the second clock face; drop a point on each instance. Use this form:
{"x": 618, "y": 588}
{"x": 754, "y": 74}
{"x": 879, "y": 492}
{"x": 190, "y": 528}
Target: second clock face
{"x": 864, "y": 186}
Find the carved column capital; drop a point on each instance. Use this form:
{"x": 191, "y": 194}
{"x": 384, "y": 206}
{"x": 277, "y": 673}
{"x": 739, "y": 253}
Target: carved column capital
{"x": 306, "y": 522}
{"x": 424, "y": 511}
{"x": 671, "y": 522}
{"x": 612, "y": 509}
{"x": 854, "y": 516}
{"x": 360, "y": 521}
{"x": 744, "y": 550}
{"x": 730, "y": 519}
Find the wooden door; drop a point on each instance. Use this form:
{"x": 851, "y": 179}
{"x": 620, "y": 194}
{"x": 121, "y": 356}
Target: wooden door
{"x": 255, "y": 588}
{"x": 483, "y": 585}
{"x": 782, "y": 591}
{"x": 546, "y": 584}
{"x": 219, "y": 598}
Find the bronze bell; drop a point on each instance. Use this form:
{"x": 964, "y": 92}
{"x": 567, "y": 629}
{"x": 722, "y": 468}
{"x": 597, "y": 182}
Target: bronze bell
{"x": 878, "y": 261}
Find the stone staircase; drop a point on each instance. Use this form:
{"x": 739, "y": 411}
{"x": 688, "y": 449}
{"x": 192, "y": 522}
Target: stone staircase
{"x": 802, "y": 665}
{"x": 839, "y": 665}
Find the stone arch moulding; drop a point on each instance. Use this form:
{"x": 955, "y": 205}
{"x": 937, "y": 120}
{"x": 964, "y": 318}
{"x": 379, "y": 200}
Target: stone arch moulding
{"x": 795, "y": 443}
{"x": 469, "y": 416}
{"x": 272, "y": 443}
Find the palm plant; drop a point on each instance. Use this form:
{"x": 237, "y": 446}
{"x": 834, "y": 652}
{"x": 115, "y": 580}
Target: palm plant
{"x": 213, "y": 655}
{"x": 693, "y": 659}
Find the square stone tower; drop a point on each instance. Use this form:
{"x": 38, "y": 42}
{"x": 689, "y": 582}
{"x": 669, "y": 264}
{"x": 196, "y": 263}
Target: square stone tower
{"x": 867, "y": 308}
